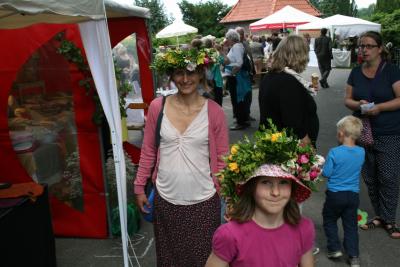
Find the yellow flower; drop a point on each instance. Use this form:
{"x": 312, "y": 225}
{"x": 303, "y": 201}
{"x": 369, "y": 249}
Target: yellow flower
{"x": 230, "y": 157}
{"x": 170, "y": 59}
{"x": 234, "y": 167}
{"x": 275, "y": 136}
{"x": 234, "y": 149}
{"x": 200, "y": 58}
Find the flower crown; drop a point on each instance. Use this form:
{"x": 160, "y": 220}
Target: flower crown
{"x": 269, "y": 146}
{"x": 190, "y": 59}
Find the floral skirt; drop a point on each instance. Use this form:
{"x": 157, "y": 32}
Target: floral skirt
{"x": 183, "y": 233}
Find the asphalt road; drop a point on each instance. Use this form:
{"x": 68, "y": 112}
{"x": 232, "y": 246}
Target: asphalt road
{"x": 376, "y": 248}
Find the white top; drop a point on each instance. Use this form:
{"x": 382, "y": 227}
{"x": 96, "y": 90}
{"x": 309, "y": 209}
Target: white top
{"x": 184, "y": 175}
{"x": 235, "y": 55}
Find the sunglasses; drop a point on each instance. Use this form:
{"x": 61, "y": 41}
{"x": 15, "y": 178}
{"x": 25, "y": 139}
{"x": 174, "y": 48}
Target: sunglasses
{"x": 368, "y": 46}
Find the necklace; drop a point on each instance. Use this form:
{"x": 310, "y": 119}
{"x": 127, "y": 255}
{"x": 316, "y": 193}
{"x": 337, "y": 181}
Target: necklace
{"x": 188, "y": 110}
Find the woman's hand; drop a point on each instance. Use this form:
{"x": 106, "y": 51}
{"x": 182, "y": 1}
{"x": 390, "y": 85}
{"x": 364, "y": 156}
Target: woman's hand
{"x": 373, "y": 111}
{"x": 141, "y": 201}
{"x": 306, "y": 140}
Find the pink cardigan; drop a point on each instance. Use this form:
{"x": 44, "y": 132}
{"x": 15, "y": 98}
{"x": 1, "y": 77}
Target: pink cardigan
{"x": 217, "y": 135}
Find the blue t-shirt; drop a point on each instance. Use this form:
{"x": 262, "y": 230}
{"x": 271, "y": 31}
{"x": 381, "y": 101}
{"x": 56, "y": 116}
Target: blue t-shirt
{"x": 342, "y": 168}
{"x": 378, "y": 90}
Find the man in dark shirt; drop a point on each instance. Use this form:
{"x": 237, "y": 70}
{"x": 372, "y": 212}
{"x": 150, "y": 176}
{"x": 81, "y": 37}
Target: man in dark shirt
{"x": 275, "y": 40}
{"x": 323, "y": 50}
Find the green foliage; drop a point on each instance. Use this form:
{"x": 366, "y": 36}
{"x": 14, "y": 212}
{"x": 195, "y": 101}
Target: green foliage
{"x": 159, "y": 18}
{"x": 315, "y": 3}
{"x": 387, "y": 6}
{"x": 333, "y": 7}
{"x": 205, "y": 16}
{"x": 269, "y": 146}
{"x": 183, "y": 59}
{"x": 186, "y": 39}
{"x": 366, "y": 13}
{"x": 74, "y": 55}
{"x": 390, "y": 25}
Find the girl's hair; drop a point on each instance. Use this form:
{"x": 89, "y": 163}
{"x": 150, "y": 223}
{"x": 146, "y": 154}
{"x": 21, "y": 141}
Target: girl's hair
{"x": 291, "y": 52}
{"x": 379, "y": 41}
{"x": 244, "y": 209}
{"x": 351, "y": 126}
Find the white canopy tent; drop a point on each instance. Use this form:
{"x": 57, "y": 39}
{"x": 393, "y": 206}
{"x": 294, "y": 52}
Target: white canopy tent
{"x": 341, "y": 25}
{"x": 176, "y": 29}
{"x": 287, "y": 17}
{"x": 91, "y": 16}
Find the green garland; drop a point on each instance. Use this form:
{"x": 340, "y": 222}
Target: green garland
{"x": 74, "y": 55}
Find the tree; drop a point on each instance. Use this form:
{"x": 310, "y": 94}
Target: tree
{"x": 205, "y": 16}
{"x": 315, "y": 3}
{"x": 387, "y": 6}
{"x": 159, "y": 19}
{"x": 390, "y": 25}
{"x": 366, "y": 13}
{"x": 333, "y": 7}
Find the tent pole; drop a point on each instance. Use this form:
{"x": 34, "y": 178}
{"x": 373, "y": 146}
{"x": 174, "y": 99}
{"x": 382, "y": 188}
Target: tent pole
{"x": 105, "y": 179}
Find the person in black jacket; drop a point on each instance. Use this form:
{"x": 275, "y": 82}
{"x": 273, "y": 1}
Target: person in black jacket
{"x": 323, "y": 50}
{"x": 283, "y": 96}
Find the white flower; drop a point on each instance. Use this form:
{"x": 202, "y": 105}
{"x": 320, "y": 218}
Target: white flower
{"x": 320, "y": 160}
{"x": 191, "y": 66}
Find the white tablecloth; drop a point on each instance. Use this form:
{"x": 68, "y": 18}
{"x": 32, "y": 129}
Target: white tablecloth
{"x": 341, "y": 58}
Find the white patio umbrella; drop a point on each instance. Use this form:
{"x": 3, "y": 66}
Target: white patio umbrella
{"x": 287, "y": 17}
{"x": 176, "y": 29}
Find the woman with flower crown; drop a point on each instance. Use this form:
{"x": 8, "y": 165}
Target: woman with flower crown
{"x": 263, "y": 183}
{"x": 193, "y": 137}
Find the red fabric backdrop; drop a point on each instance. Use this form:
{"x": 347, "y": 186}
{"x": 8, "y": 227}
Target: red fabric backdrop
{"x": 17, "y": 47}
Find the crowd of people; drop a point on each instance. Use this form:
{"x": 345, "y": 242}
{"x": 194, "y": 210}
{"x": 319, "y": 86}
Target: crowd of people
{"x": 258, "y": 185}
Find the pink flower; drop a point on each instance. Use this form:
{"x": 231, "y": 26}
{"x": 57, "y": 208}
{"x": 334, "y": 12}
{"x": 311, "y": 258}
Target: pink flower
{"x": 206, "y": 60}
{"x": 303, "y": 159}
{"x": 313, "y": 175}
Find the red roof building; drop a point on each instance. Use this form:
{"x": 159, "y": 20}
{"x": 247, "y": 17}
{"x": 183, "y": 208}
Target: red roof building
{"x": 245, "y": 12}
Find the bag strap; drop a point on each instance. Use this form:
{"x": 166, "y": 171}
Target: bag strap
{"x": 149, "y": 186}
{"x": 158, "y": 125}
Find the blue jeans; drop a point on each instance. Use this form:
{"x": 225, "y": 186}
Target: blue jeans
{"x": 342, "y": 205}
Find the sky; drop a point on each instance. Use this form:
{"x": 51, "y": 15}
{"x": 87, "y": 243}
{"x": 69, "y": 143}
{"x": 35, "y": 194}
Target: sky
{"x": 172, "y": 8}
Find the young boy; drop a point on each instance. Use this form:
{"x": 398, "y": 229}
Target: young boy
{"x": 342, "y": 168}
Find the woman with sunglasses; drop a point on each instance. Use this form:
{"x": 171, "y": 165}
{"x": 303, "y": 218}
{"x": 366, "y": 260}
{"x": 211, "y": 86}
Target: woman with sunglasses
{"x": 377, "y": 82}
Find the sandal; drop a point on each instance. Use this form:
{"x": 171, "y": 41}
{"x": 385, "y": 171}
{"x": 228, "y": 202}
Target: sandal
{"x": 372, "y": 224}
{"x": 391, "y": 228}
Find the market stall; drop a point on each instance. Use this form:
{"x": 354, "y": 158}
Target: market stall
{"x": 340, "y": 25}
{"x": 47, "y": 130}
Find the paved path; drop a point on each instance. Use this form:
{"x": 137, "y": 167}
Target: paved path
{"x": 376, "y": 248}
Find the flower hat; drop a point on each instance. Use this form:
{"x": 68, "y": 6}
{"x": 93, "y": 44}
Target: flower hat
{"x": 190, "y": 59}
{"x": 271, "y": 153}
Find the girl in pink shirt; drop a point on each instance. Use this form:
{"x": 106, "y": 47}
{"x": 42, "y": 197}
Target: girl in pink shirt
{"x": 266, "y": 228}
